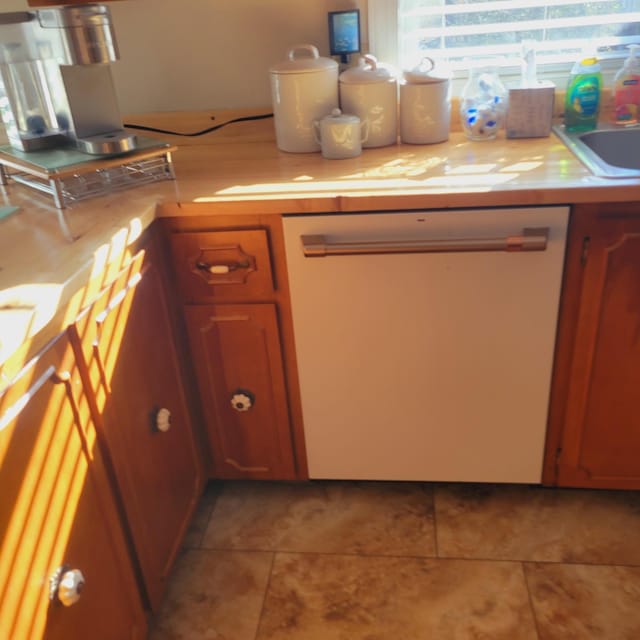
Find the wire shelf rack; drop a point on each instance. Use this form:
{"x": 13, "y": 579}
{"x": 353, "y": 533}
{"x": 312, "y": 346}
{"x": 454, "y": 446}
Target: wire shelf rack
{"x": 90, "y": 179}
{"x": 81, "y": 185}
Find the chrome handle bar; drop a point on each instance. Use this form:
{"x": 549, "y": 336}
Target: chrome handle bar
{"x": 316, "y": 246}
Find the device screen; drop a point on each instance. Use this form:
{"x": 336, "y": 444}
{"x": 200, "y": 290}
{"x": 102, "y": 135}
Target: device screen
{"x": 344, "y": 33}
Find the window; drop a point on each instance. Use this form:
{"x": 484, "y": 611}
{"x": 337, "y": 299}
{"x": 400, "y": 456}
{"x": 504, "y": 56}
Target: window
{"x": 403, "y": 31}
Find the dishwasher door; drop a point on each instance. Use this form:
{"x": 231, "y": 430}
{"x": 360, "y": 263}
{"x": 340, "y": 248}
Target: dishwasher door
{"x": 425, "y": 341}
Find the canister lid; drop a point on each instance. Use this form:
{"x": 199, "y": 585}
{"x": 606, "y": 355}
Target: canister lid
{"x": 337, "y": 116}
{"x": 425, "y": 73}
{"x": 369, "y": 70}
{"x": 309, "y": 63}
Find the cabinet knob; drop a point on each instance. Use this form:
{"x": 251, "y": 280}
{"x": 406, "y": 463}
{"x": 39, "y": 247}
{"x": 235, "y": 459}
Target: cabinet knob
{"x": 67, "y": 585}
{"x": 163, "y": 420}
{"x": 242, "y": 400}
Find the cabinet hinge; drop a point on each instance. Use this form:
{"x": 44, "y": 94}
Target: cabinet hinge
{"x": 586, "y": 242}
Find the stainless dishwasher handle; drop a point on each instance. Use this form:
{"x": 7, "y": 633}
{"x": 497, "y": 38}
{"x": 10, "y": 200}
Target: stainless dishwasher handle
{"x": 315, "y": 246}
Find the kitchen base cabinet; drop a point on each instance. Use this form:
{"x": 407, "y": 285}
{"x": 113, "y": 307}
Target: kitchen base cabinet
{"x": 65, "y": 568}
{"x": 236, "y": 353}
{"x": 594, "y": 434}
{"x": 127, "y": 341}
{"x": 231, "y": 275}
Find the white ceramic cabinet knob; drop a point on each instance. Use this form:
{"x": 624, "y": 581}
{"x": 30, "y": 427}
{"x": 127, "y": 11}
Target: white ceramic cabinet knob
{"x": 219, "y": 269}
{"x": 70, "y": 587}
{"x": 242, "y": 400}
{"x": 163, "y": 420}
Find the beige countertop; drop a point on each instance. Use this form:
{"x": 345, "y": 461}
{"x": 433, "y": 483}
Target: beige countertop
{"x": 239, "y": 169}
{"x": 45, "y": 279}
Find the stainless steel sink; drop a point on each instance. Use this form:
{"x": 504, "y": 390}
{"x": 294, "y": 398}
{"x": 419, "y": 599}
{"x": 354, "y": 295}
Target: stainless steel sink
{"x": 607, "y": 152}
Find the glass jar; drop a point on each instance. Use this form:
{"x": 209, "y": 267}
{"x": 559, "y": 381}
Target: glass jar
{"x": 483, "y": 103}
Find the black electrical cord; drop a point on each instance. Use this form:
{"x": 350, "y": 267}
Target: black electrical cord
{"x": 199, "y": 133}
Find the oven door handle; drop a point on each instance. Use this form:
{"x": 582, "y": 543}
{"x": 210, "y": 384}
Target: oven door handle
{"x": 530, "y": 239}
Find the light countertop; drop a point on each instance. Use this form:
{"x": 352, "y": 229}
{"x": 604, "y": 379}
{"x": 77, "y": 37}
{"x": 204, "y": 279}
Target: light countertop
{"x": 45, "y": 279}
{"x": 239, "y": 169}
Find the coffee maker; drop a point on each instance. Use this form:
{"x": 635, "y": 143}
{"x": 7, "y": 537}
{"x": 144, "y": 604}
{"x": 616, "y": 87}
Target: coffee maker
{"x": 56, "y": 89}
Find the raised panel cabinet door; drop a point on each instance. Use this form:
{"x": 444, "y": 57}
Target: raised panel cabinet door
{"x": 600, "y": 446}
{"x": 238, "y": 360}
{"x": 58, "y": 515}
{"x": 145, "y": 423}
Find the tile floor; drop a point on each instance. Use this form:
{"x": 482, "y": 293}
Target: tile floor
{"x": 406, "y": 561}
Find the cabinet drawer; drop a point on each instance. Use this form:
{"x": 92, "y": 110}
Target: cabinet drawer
{"x": 222, "y": 265}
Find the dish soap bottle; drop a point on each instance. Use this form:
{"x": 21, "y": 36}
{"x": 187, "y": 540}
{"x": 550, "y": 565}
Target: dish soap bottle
{"x": 626, "y": 90}
{"x": 582, "y": 100}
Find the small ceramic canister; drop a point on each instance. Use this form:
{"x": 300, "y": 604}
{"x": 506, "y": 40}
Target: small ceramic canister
{"x": 370, "y": 91}
{"x": 425, "y": 104}
{"x": 340, "y": 135}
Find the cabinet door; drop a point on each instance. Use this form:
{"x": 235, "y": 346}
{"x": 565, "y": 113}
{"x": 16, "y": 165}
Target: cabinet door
{"x": 238, "y": 360}
{"x": 57, "y": 510}
{"x": 600, "y": 442}
{"x": 133, "y": 368}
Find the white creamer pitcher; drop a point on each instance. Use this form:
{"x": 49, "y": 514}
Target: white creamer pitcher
{"x": 304, "y": 88}
{"x": 340, "y": 135}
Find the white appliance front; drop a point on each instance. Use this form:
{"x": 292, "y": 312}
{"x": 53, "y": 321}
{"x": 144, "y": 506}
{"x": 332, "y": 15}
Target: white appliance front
{"x": 430, "y": 366}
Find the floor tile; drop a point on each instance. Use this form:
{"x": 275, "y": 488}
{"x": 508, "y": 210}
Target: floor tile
{"x": 214, "y": 595}
{"x": 585, "y": 602}
{"x": 374, "y": 518}
{"x": 517, "y": 522}
{"x": 193, "y": 537}
{"x": 331, "y": 597}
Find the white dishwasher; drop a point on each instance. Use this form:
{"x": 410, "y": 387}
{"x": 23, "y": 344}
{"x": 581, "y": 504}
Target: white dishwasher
{"x": 425, "y": 341}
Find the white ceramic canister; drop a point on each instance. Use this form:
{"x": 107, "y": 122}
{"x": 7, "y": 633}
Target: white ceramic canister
{"x": 340, "y": 135}
{"x": 304, "y": 88}
{"x": 370, "y": 91}
{"x": 425, "y": 104}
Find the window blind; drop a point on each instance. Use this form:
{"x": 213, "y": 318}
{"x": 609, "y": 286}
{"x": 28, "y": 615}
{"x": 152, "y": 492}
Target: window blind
{"x": 462, "y": 29}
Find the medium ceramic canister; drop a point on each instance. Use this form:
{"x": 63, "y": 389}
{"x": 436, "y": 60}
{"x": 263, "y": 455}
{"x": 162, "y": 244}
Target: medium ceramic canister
{"x": 370, "y": 91}
{"x": 340, "y": 135}
{"x": 304, "y": 88}
{"x": 425, "y": 104}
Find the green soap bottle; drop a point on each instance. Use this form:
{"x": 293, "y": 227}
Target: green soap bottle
{"x": 582, "y": 100}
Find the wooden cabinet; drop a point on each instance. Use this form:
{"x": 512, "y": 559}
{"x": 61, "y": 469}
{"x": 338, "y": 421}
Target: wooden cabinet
{"x": 57, "y": 511}
{"x": 232, "y": 280}
{"x": 594, "y": 431}
{"x": 127, "y": 341}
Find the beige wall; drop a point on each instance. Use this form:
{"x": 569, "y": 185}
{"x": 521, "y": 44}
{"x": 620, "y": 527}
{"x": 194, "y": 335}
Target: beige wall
{"x": 203, "y": 54}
